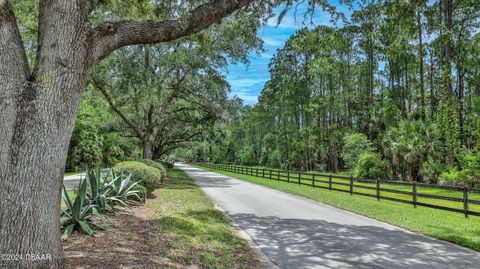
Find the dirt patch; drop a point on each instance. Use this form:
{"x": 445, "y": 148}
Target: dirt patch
{"x": 125, "y": 244}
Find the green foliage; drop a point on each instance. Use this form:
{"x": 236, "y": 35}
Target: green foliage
{"x": 166, "y": 163}
{"x": 432, "y": 169}
{"x": 384, "y": 74}
{"x": 354, "y": 145}
{"x": 156, "y": 165}
{"x": 98, "y": 192}
{"x": 454, "y": 177}
{"x": 96, "y": 195}
{"x": 124, "y": 191}
{"x": 467, "y": 175}
{"x": 94, "y": 140}
{"x": 408, "y": 145}
{"x": 147, "y": 176}
{"x": 370, "y": 165}
{"x": 79, "y": 214}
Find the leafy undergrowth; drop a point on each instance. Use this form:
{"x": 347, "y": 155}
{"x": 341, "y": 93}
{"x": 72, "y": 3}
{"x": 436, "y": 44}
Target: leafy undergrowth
{"x": 453, "y": 227}
{"x": 196, "y": 232}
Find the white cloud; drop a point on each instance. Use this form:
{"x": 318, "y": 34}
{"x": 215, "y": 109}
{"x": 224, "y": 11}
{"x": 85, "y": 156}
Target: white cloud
{"x": 247, "y": 82}
{"x": 272, "y": 42}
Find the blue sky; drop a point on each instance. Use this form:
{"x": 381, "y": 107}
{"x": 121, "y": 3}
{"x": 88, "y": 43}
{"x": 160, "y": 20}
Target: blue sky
{"x": 248, "y": 81}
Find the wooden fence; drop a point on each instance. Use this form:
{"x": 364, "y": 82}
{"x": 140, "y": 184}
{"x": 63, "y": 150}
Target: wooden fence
{"x": 418, "y": 194}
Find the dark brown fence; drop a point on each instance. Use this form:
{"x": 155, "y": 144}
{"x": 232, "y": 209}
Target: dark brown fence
{"x": 449, "y": 198}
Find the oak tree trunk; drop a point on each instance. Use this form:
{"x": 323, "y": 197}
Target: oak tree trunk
{"x": 36, "y": 126}
{"x": 148, "y": 149}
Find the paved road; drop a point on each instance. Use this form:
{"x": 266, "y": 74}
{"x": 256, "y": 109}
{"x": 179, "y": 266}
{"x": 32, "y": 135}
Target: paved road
{"x": 300, "y": 233}
{"x": 71, "y": 182}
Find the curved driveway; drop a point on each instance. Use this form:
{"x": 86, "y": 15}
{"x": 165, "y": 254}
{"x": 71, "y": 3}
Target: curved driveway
{"x": 299, "y": 233}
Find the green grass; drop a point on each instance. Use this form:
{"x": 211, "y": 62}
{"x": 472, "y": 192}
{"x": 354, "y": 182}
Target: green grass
{"x": 450, "y": 226}
{"x": 197, "y": 232}
{"x": 336, "y": 183}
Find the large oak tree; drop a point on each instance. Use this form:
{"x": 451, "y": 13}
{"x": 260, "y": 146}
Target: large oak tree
{"x": 38, "y": 107}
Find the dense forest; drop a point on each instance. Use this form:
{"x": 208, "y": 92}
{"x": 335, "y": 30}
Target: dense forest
{"x": 394, "y": 92}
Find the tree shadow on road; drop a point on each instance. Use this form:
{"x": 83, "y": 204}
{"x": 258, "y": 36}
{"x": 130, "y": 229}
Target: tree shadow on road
{"x": 299, "y": 243}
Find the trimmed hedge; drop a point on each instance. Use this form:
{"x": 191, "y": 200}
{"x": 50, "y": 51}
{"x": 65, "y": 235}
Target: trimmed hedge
{"x": 155, "y": 164}
{"x": 149, "y": 177}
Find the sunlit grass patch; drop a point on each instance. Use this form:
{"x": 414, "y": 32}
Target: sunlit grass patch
{"x": 196, "y": 232}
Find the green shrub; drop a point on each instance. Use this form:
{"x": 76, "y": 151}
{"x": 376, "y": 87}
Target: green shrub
{"x": 432, "y": 170}
{"x": 370, "y": 165}
{"x": 155, "y": 164}
{"x": 353, "y": 146}
{"x": 454, "y": 177}
{"x": 469, "y": 175}
{"x": 165, "y": 163}
{"x": 149, "y": 177}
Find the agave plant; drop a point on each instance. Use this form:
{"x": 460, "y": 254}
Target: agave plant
{"x": 96, "y": 195}
{"x": 79, "y": 214}
{"x": 99, "y": 192}
{"x": 124, "y": 191}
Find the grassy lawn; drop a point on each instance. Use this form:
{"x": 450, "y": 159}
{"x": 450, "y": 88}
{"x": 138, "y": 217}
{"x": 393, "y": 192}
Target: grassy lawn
{"x": 445, "y": 225}
{"x": 196, "y": 232}
{"x": 342, "y": 184}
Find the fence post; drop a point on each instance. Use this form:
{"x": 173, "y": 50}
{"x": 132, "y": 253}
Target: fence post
{"x": 351, "y": 185}
{"x": 414, "y": 194}
{"x": 263, "y": 172}
{"x": 330, "y": 182}
{"x": 256, "y": 172}
{"x": 299, "y": 177}
{"x": 377, "y": 181}
{"x": 288, "y": 176}
{"x": 270, "y": 174}
{"x": 278, "y": 175}
{"x": 313, "y": 180}
{"x": 465, "y": 201}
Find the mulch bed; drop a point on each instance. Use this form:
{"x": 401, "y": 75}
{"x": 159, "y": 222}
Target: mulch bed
{"x": 125, "y": 244}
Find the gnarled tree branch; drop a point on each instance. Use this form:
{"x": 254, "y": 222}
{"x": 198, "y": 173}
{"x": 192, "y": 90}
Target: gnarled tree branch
{"x": 109, "y": 99}
{"x": 113, "y": 35}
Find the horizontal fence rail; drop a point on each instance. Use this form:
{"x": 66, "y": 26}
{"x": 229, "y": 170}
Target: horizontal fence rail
{"x": 466, "y": 200}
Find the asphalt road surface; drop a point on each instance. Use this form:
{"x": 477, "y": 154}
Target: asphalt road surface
{"x": 299, "y": 233}
{"x": 72, "y": 181}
